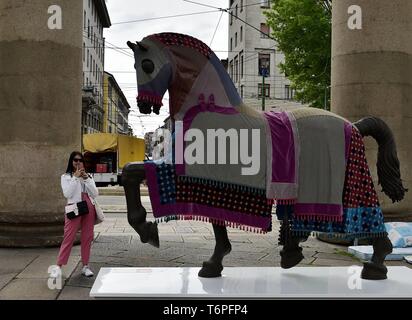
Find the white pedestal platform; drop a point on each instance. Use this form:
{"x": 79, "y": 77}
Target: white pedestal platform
{"x": 250, "y": 282}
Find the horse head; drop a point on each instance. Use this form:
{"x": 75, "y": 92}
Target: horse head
{"x": 154, "y": 74}
{"x": 183, "y": 65}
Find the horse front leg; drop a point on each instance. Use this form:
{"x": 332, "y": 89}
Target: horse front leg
{"x": 375, "y": 269}
{"x": 213, "y": 267}
{"x": 133, "y": 174}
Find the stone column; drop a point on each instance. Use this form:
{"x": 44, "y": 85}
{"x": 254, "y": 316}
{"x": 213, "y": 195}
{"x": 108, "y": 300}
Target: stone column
{"x": 372, "y": 75}
{"x": 40, "y": 115}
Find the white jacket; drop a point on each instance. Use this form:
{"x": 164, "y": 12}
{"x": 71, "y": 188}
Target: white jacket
{"x": 72, "y": 188}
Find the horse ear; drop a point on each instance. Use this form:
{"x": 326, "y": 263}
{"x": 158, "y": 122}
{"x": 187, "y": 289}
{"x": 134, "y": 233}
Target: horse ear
{"x": 141, "y": 46}
{"x": 131, "y": 45}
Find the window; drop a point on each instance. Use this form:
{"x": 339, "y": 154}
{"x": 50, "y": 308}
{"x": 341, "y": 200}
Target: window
{"x": 241, "y": 5}
{"x": 267, "y": 90}
{"x": 236, "y": 11}
{"x": 87, "y": 57}
{"x": 264, "y": 3}
{"x": 264, "y": 64}
{"x": 235, "y": 39}
{"x": 241, "y": 33}
{"x": 236, "y": 69}
{"x": 88, "y": 28}
{"x": 231, "y": 69}
{"x": 231, "y": 17}
{"x": 241, "y": 58}
{"x": 231, "y": 44}
{"x": 84, "y": 20}
{"x": 264, "y": 31}
{"x": 84, "y": 52}
{"x": 89, "y": 3}
{"x": 241, "y": 91}
{"x": 289, "y": 92}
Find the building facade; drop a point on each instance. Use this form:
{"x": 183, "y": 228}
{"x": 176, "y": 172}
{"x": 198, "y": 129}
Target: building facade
{"x": 252, "y": 54}
{"x": 95, "y": 19}
{"x": 115, "y": 107}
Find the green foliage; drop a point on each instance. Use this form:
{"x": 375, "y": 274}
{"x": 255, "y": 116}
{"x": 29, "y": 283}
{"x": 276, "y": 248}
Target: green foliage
{"x": 302, "y": 29}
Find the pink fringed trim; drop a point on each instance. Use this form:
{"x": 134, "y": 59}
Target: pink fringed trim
{"x": 285, "y": 201}
{"x": 317, "y": 217}
{"x": 214, "y": 221}
{"x": 149, "y": 97}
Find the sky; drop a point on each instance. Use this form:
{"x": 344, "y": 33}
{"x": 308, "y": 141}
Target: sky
{"x": 120, "y": 62}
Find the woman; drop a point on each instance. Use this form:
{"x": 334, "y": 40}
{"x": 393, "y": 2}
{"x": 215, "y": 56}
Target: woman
{"x": 78, "y": 186}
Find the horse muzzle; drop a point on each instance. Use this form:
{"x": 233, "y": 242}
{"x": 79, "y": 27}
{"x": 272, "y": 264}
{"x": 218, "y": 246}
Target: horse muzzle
{"x": 146, "y": 108}
{"x": 145, "y": 102}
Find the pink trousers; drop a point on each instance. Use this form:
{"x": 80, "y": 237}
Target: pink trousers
{"x": 86, "y": 223}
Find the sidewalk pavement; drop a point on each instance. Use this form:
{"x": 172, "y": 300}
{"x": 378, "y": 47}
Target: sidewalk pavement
{"x": 119, "y": 191}
{"x": 24, "y": 272}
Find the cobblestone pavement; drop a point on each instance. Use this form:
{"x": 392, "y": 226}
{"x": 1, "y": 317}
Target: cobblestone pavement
{"x": 23, "y": 272}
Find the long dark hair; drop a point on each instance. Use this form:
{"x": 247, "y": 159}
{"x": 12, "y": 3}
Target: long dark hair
{"x": 70, "y": 167}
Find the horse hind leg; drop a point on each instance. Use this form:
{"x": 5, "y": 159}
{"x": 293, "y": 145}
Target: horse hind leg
{"x": 133, "y": 174}
{"x": 213, "y": 267}
{"x": 375, "y": 269}
{"x": 291, "y": 253}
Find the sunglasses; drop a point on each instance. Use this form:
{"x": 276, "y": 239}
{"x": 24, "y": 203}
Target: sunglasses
{"x": 78, "y": 160}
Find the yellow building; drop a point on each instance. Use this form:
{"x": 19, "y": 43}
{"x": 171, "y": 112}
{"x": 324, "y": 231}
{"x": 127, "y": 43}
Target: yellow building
{"x": 116, "y": 107}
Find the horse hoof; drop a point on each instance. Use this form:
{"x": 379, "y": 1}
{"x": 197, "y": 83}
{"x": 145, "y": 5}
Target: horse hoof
{"x": 150, "y": 234}
{"x": 154, "y": 235}
{"x": 290, "y": 259}
{"x": 210, "y": 270}
{"x": 373, "y": 271}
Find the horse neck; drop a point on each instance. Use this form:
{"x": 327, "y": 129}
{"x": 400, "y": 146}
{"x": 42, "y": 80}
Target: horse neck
{"x": 208, "y": 78}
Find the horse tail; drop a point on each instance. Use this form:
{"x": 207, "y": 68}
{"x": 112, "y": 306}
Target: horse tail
{"x": 389, "y": 176}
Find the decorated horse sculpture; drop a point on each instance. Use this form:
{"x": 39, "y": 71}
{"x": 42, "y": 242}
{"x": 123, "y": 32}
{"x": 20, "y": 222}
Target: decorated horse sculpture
{"x": 308, "y": 162}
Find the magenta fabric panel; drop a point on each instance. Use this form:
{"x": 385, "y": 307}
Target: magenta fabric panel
{"x": 329, "y": 212}
{"x": 348, "y": 134}
{"x": 283, "y": 147}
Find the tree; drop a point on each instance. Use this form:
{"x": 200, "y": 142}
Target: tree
{"x": 302, "y": 29}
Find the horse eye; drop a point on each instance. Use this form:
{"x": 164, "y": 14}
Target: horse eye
{"x": 147, "y": 66}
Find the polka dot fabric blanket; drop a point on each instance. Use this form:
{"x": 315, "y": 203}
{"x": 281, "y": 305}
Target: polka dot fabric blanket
{"x": 362, "y": 215}
{"x": 176, "y": 197}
